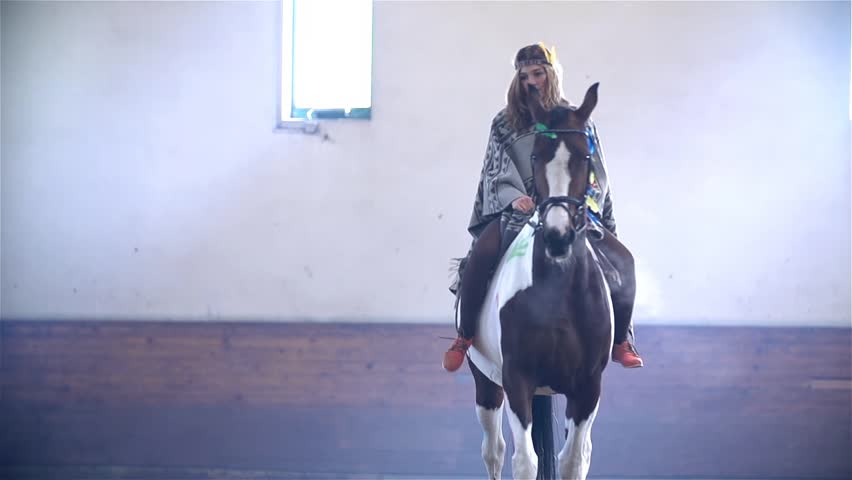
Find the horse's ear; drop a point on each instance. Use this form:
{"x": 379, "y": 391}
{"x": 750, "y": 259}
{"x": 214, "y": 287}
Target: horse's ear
{"x": 539, "y": 114}
{"x": 589, "y": 102}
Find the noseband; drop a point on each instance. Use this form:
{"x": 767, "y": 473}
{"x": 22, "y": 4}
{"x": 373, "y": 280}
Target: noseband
{"x": 578, "y": 223}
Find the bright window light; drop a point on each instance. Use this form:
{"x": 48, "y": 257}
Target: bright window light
{"x": 327, "y": 54}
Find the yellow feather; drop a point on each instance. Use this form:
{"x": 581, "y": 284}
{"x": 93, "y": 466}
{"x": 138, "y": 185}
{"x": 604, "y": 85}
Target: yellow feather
{"x": 593, "y": 205}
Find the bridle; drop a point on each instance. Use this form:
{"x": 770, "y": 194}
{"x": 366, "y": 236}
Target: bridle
{"x": 578, "y": 220}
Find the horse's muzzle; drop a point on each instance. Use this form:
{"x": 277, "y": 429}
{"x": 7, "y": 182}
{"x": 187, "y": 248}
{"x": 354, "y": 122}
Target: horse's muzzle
{"x": 558, "y": 244}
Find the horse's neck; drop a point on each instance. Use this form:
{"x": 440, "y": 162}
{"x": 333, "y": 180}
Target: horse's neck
{"x": 572, "y": 286}
{"x": 575, "y": 271}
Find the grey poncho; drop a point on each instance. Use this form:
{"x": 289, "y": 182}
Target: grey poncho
{"x": 507, "y": 175}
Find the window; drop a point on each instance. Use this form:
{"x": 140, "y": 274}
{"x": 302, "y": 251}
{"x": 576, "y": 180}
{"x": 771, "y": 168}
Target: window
{"x": 327, "y": 53}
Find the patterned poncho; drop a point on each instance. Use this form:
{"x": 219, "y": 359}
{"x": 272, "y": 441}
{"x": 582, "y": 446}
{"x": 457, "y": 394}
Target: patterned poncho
{"x": 507, "y": 175}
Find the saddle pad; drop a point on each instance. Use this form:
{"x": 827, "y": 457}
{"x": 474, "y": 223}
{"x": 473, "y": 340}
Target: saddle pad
{"x": 513, "y": 274}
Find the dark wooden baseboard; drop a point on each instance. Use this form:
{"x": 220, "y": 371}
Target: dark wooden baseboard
{"x": 343, "y": 400}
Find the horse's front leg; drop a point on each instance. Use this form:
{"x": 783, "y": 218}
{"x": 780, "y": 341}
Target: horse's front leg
{"x": 519, "y": 394}
{"x": 576, "y": 456}
{"x": 489, "y": 410}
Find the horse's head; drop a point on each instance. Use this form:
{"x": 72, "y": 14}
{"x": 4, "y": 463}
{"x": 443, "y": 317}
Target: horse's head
{"x": 561, "y": 163}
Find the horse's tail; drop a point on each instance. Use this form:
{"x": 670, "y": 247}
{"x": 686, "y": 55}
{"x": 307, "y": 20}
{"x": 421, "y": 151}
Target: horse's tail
{"x": 542, "y": 436}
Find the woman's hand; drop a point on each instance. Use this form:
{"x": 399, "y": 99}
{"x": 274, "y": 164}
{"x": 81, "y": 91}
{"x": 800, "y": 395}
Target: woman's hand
{"x": 524, "y": 204}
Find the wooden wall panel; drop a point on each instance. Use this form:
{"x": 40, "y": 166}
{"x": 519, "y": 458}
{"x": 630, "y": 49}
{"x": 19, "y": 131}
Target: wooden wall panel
{"x": 371, "y": 399}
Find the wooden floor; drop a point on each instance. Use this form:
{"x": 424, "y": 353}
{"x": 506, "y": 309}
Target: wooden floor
{"x": 275, "y": 400}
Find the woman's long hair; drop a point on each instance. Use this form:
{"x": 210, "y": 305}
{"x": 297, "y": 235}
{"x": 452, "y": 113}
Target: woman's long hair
{"x": 517, "y": 111}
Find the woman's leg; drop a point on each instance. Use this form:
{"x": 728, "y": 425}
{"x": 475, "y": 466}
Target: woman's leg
{"x": 622, "y": 279}
{"x": 477, "y": 273}
{"x": 474, "y": 285}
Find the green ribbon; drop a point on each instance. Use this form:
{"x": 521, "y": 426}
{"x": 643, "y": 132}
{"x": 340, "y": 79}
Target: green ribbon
{"x": 542, "y": 128}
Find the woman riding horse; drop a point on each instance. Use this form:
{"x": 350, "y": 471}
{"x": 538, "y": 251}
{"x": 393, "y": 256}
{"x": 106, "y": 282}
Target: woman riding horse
{"x": 504, "y": 201}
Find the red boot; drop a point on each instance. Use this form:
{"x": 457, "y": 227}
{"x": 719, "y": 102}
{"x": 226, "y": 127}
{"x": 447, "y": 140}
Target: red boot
{"x": 625, "y": 354}
{"x": 454, "y": 357}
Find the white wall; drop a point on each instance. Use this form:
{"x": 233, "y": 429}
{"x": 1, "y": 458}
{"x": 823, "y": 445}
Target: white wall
{"x": 142, "y": 177}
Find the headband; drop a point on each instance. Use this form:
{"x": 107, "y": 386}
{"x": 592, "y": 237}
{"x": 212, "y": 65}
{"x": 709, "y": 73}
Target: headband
{"x": 532, "y": 61}
{"x": 548, "y": 59}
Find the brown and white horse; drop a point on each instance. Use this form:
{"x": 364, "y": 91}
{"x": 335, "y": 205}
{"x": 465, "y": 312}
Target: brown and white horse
{"x": 550, "y": 330}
